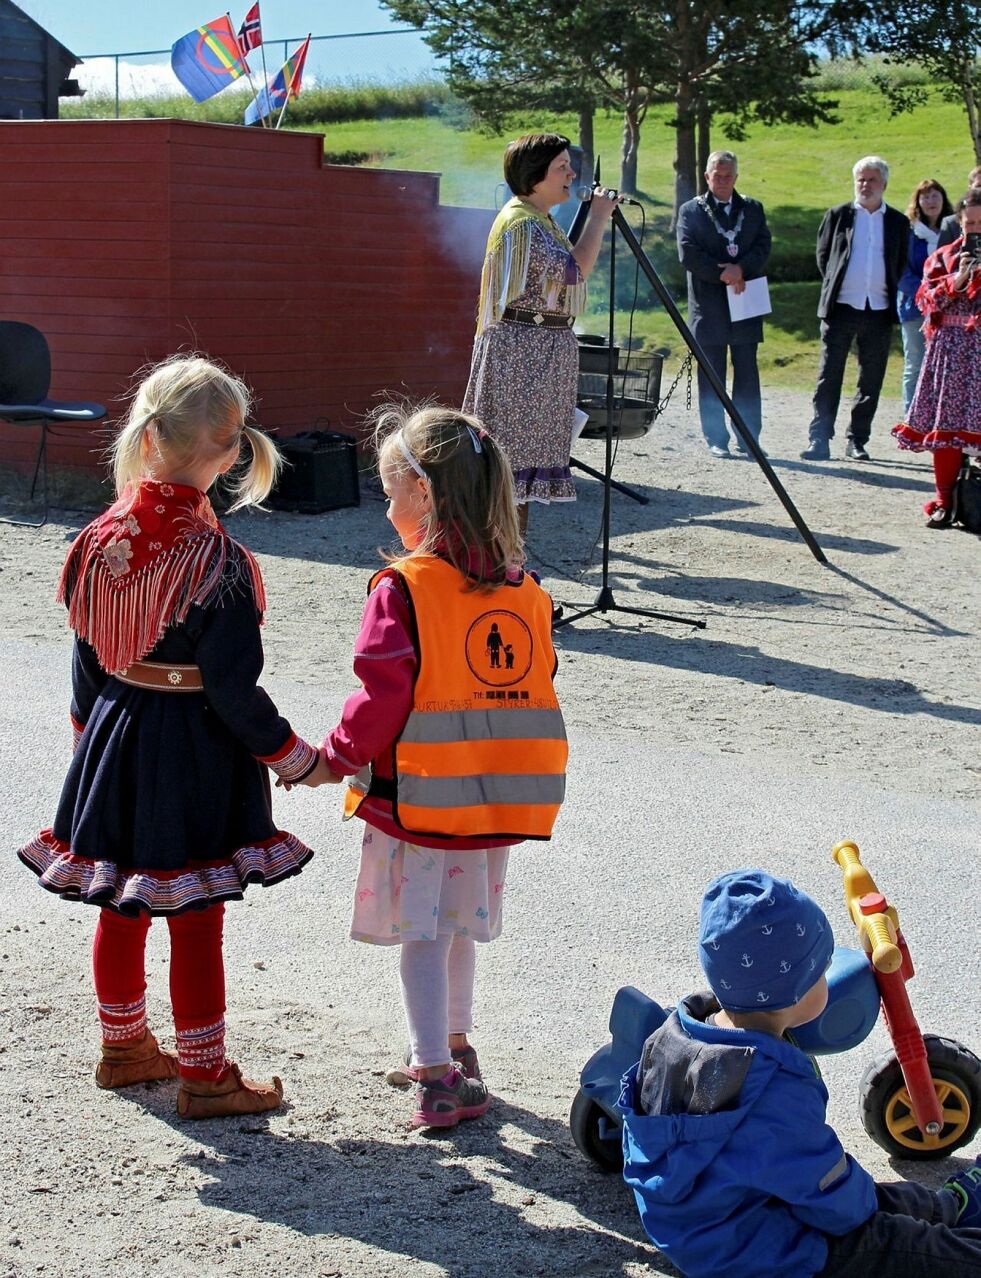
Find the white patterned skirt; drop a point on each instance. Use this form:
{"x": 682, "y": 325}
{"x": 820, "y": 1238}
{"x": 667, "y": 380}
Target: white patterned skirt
{"x": 409, "y": 893}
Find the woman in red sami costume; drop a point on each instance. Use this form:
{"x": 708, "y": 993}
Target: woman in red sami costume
{"x": 945, "y": 415}
{"x": 166, "y": 806}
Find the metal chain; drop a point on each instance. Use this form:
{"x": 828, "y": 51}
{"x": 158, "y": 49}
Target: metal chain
{"x": 686, "y": 367}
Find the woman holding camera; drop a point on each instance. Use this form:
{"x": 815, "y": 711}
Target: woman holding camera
{"x": 945, "y": 416}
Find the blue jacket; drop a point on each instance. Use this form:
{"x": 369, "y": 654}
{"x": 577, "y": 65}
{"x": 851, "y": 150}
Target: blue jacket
{"x": 911, "y": 279}
{"x": 735, "y": 1171}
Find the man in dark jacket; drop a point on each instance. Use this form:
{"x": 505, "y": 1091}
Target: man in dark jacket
{"x": 861, "y": 253}
{"x": 723, "y": 241}
{"x": 950, "y": 227}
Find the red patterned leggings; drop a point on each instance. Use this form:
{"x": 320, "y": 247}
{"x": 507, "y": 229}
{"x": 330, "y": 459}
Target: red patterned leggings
{"x": 946, "y": 468}
{"x": 197, "y": 984}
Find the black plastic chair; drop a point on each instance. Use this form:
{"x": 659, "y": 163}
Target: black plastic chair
{"x": 25, "y": 379}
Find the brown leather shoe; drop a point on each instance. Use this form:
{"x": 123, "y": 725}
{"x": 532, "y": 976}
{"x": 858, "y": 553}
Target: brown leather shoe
{"x": 230, "y": 1095}
{"x": 141, "y": 1062}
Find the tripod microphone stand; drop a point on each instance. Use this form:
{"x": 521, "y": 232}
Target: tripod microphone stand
{"x": 605, "y": 600}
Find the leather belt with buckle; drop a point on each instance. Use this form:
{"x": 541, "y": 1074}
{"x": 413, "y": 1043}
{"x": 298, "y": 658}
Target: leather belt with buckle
{"x": 538, "y": 319}
{"x": 159, "y": 677}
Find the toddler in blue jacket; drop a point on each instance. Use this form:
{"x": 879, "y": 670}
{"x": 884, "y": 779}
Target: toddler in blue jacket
{"x": 734, "y": 1168}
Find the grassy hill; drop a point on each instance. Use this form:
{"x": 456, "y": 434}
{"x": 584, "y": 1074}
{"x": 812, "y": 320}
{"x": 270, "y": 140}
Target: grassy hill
{"x": 796, "y": 171}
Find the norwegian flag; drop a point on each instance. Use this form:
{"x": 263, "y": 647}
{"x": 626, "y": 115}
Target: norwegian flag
{"x": 250, "y": 32}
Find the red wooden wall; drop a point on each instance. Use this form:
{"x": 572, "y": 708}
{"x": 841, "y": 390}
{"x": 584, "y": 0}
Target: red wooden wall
{"x": 321, "y": 285}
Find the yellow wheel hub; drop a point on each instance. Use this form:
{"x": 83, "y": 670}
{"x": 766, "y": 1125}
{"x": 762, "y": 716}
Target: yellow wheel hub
{"x": 955, "y": 1107}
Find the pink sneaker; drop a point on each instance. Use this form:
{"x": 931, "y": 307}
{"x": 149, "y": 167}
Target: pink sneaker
{"x": 445, "y": 1101}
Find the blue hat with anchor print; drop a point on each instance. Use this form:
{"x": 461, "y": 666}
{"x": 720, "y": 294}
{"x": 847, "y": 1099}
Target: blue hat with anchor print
{"x": 763, "y": 943}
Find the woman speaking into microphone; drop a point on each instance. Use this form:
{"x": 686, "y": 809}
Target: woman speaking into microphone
{"x": 525, "y": 365}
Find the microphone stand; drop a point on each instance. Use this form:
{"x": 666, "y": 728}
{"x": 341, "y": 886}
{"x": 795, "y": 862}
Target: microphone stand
{"x": 606, "y": 600}
{"x": 666, "y": 300}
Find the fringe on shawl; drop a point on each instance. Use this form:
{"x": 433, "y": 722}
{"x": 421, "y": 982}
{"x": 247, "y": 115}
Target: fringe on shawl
{"x": 505, "y": 272}
{"x": 124, "y": 619}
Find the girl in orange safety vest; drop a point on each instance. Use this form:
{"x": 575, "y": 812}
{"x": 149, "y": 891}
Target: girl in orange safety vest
{"x": 454, "y": 747}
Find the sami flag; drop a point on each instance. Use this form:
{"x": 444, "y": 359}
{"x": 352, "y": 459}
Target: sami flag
{"x": 250, "y": 32}
{"x": 278, "y": 91}
{"x": 207, "y": 59}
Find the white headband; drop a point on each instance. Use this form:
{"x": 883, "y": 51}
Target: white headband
{"x": 407, "y": 454}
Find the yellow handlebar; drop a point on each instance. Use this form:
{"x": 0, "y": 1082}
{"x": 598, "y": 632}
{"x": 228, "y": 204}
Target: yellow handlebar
{"x": 876, "y": 930}
{"x": 880, "y": 939}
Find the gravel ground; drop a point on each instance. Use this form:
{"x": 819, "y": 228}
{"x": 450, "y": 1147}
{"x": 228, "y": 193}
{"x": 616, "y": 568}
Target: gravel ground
{"x": 819, "y": 702}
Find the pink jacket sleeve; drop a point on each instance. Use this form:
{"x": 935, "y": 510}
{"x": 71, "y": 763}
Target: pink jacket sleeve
{"x": 385, "y": 662}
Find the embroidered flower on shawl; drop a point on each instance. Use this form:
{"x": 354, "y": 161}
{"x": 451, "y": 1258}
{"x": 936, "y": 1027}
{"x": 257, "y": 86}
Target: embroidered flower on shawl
{"x": 118, "y": 554}
{"x": 166, "y": 490}
{"x": 130, "y": 525}
{"x": 156, "y": 545}
{"x": 160, "y": 509}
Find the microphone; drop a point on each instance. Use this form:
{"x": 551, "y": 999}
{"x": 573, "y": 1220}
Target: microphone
{"x": 586, "y": 193}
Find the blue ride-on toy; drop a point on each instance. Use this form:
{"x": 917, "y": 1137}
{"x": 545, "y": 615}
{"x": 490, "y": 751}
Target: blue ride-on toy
{"x": 921, "y": 1100}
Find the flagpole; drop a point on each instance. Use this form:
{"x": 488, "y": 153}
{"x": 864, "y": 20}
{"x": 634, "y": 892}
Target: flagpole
{"x": 248, "y": 72}
{"x": 265, "y": 73}
{"x": 299, "y": 67}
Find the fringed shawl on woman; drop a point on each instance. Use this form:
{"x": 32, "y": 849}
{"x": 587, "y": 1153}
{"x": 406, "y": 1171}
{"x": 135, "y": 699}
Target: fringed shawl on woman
{"x": 505, "y": 273}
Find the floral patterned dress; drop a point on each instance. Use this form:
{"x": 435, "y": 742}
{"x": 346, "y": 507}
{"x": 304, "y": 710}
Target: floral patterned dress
{"x": 946, "y": 409}
{"x": 523, "y": 379}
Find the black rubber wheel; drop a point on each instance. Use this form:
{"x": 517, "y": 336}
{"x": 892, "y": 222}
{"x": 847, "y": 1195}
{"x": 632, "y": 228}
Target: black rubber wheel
{"x": 584, "y": 1122}
{"x": 887, "y": 1115}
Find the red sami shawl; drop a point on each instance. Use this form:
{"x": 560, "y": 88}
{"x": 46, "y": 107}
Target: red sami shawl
{"x": 141, "y": 566}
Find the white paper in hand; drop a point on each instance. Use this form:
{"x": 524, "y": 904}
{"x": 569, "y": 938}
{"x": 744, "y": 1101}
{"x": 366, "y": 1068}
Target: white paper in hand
{"x": 752, "y": 301}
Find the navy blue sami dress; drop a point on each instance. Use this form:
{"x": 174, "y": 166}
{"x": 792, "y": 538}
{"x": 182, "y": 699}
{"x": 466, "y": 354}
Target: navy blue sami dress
{"x": 167, "y": 804}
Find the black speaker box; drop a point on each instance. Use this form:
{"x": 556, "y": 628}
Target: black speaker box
{"x": 321, "y": 473}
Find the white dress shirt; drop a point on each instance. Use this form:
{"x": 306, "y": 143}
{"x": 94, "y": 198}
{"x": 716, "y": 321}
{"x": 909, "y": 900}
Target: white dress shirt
{"x": 865, "y": 275}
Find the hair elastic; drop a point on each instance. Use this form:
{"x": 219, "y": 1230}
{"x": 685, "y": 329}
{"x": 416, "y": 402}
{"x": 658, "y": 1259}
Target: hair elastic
{"x": 407, "y": 454}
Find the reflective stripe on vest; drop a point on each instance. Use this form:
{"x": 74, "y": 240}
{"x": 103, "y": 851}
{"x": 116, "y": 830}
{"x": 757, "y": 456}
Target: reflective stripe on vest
{"x": 483, "y": 752}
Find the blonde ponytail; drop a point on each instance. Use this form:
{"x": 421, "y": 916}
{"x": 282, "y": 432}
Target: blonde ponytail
{"x": 258, "y": 481}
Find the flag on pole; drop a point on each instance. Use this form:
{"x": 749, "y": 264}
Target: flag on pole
{"x": 250, "y": 32}
{"x": 207, "y": 59}
{"x": 280, "y": 90}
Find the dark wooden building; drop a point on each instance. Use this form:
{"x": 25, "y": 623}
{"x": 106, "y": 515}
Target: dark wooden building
{"x": 34, "y": 68}
{"x": 322, "y": 285}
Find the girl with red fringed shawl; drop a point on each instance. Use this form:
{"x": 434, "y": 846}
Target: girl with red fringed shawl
{"x": 945, "y": 415}
{"x": 166, "y": 807}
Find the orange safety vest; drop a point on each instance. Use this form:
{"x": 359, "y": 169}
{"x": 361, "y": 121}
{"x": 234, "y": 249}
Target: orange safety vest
{"x": 483, "y": 751}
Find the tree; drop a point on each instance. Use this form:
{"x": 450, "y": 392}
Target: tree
{"x": 506, "y": 57}
{"x": 748, "y": 59}
{"x": 945, "y": 41}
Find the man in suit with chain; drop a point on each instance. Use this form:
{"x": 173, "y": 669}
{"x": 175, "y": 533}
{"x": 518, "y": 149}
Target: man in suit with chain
{"x": 723, "y": 241}
{"x": 861, "y": 254}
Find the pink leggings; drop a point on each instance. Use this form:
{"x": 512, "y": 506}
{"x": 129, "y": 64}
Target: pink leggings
{"x": 197, "y": 984}
{"x": 437, "y": 991}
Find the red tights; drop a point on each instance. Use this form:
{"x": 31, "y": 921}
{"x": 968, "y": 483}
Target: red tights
{"x": 197, "y": 984}
{"x": 946, "y": 468}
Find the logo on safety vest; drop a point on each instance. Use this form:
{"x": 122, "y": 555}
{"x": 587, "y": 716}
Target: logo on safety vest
{"x": 499, "y": 648}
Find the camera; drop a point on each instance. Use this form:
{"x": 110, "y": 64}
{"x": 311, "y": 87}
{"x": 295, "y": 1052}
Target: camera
{"x": 972, "y": 245}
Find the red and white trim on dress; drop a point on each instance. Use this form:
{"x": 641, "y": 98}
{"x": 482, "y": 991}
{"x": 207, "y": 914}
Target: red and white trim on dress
{"x": 158, "y": 892}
